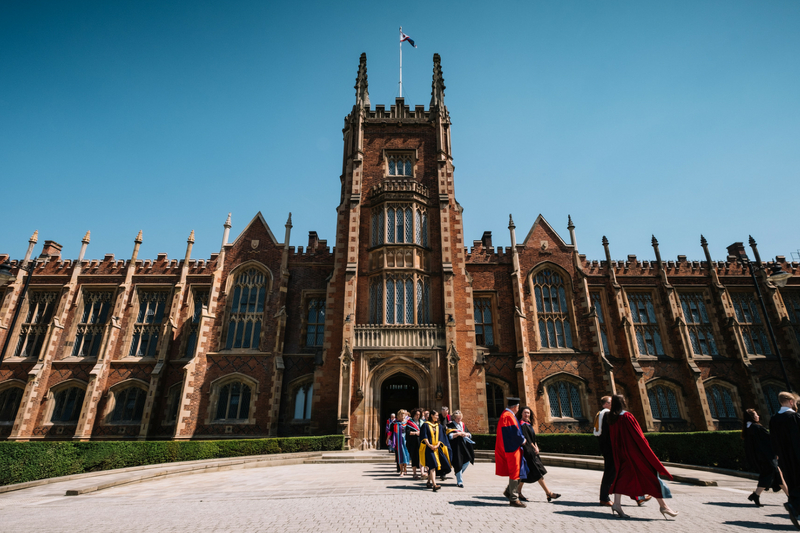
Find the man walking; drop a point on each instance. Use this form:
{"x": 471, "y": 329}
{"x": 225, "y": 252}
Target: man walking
{"x": 784, "y": 430}
{"x": 508, "y": 457}
{"x": 603, "y": 435}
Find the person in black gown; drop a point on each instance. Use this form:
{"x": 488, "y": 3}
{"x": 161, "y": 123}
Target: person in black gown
{"x": 530, "y": 450}
{"x": 784, "y": 431}
{"x": 758, "y": 450}
{"x": 413, "y": 440}
{"x": 460, "y": 445}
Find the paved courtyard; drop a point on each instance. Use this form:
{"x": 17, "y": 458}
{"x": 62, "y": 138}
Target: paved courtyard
{"x": 370, "y": 497}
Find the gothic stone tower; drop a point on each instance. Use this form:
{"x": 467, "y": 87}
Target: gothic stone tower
{"x": 399, "y": 329}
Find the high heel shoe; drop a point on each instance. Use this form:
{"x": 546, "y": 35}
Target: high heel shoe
{"x": 617, "y": 511}
{"x": 553, "y": 496}
{"x": 755, "y": 498}
{"x": 666, "y": 511}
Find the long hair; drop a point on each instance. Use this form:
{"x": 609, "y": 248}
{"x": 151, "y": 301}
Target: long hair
{"x": 618, "y": 404}
{"x": 519, "y": 413}
{"x": 749, "y": 416}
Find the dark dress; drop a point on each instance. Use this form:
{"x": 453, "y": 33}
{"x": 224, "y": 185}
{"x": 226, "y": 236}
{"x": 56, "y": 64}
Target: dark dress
{"x": 461, "y": 450}
{"x": 536, "y": 469}
{"x": 608, "y": 459}
{"x": 758, "y": 450}
{"x": 438, "y": 460}
{"x": 784, "y": 431}
{"x": 413, "y": 442}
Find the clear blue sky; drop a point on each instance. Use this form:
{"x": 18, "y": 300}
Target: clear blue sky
{"x": 637, "y": 118}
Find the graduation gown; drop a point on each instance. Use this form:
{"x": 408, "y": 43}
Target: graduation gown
{"x": 413, "y": 442}
{"x": 397, "y": 437}
{"x": 637, "y": 466}
{"x": 461, "y": 450}
{"x": 784, "y": 431}
{"x": 536, "y": 469}
{"x": 508, "y": 459}
{"x": 438, "y": 459}
{"x": 759, "y": 454}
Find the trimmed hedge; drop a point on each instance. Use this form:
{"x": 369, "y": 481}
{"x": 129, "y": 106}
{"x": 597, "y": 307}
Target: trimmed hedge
{"x": 29, "y": 461}
{"x": 722, "y": 449}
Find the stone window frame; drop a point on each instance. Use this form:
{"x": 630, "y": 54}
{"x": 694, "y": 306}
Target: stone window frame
{"x": 505, "y": 387}
{"x": 712, "y": 382}
{"x": 570, "y": 313}
{"x": 51, "y": 401}
{"x": 791, "y": 301}
{"x": 581, "y": 385}
{"x": 420, "y": 224}
{"x": 111, "y": 402}
{"x": 188, "y": 324}
{"x": 711, "y": 326}
{"x": 307, "y": 295}
{"x": 79, "y": 305}
{"x": 169, "y": 407}
{"x": 606, "y": 340}
{"x": 377, "y": 296}
{"x": 677, "y": 390}
{"x": 492, "y": 297}
{"x": 748, "y": 329}
{"x": 132, "y": 315}
{"x": 229, "y": 286}
{"x": 399, "y": 153}
{"x": 658, "y": 326}
{"x": 213, "y": 399}
{"x": 16, "y": 336}
{"x": 301, "y": 382}
{"x": 9, "y": 384}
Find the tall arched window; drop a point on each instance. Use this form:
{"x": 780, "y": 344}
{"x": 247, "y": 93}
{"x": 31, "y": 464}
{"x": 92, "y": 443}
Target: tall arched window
{"x": 565, "y": 400}
{"x": 247, "y": 309}
{"x": 495, "y": 400}
{"x": 68, "y": 403}
{"x": 10, "y": 399}
{"x": 128, "y": 405}
{"x": 404, "y": 224}
{"x": 771, "y": 392}
{"x": 552, "y": 310}
{"x": 302, "y": 401}
{"x": 720, "y": 402}
{"x": 233, "y": 402}
{"x": 663, "y": 402}
{"x": 402, "y": 301}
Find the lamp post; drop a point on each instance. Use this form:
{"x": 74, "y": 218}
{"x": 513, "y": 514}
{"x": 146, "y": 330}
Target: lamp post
{"x": 779, "y": 278}
{"x": 6, "y": 276}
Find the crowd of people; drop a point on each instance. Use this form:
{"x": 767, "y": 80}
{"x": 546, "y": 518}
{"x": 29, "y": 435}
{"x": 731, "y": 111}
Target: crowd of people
{"x": 436, "y": 444}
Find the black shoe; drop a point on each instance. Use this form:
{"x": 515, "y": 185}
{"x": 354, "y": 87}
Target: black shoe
{"x": 461, "y": 485}
{"x": 755, "y": 499}
{"x": 553, "y": 496}
{"x": 523, "y": 498}
{"x": 788, "y": 506}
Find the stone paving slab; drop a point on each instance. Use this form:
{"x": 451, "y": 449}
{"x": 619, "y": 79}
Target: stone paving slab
{"x": 371, "y": 497}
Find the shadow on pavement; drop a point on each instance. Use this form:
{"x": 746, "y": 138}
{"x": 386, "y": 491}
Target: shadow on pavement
{"x": 568, "y": 503}
{"x": 496, "y": 498}
{"x": 738, "y": 504}
{"x": 409, "y": 487}
{"x": 602, "y": 516}
{"x": 473, "y": 503}
{"x": 760, "y": 525}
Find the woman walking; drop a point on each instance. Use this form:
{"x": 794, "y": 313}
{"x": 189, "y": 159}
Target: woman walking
{"x": 530, "y": 450}
{"x": 758, "y": 450}
{"x": 637, "y": 467}
{"x": 461, "y": 446}
{"x": 398, "y": 438}
{"x": 413, "y": 440}
{"x": 432, "y": 452}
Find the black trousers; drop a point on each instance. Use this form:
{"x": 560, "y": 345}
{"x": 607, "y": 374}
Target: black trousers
{"x": 609, "y": 472}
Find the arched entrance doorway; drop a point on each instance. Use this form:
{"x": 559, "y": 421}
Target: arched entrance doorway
{"x": 397, "y": 392}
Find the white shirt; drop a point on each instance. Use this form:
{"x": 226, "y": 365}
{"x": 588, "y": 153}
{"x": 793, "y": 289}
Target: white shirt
{"x": 598, "y": 424}
{"x": 749, "y": 424}
{"x": 784, "y": 409}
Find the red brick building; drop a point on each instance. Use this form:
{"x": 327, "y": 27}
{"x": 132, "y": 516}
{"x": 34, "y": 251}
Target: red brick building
{"x": 266, "y": 338}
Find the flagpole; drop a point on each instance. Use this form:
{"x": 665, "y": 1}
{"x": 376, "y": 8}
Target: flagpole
{"x": 401, "y": 61}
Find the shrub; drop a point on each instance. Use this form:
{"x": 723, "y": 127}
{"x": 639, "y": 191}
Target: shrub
{"x": 722, "y": 449}
{"x": 29, "y": 461}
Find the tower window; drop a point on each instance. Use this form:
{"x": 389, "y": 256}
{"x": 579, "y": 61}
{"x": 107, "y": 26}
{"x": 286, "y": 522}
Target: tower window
{"x": 400, "y": 165}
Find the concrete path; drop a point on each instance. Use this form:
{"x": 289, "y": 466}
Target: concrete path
{"x": 371, "y": 497}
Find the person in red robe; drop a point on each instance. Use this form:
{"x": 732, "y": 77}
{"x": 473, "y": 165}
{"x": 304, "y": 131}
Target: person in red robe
{"x": 508, "y": 459}
{"x": 637, "y": 467}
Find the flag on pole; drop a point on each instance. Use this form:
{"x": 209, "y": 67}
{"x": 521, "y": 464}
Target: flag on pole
{"x": 404, "y": 37}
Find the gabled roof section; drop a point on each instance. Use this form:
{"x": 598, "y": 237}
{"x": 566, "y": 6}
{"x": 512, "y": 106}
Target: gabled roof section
{"x": 259, "y": 218}
{"x": 548, "y": 228}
